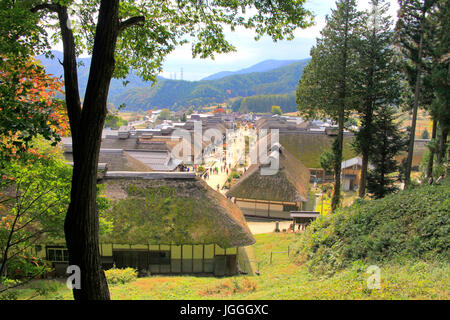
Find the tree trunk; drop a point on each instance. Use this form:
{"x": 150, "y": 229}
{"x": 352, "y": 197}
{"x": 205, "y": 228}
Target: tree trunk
{"x": 416, "y": 106}
{"x": 338, "y": 163}
{"x": 363, "y": 180}
{"x": 431, "y": 158}
{"x": 442, "y": 145}
{"x": 341, "y": 115}
{"x": 82, "y": 223}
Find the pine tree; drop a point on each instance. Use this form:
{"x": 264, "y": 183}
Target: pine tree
{"x": 378, "y": 77}
{"x": 389, "y": 141}
{"x": 439, "y": 36}
{"x": 411, "y": 34}
{"x": 328, "y": 84}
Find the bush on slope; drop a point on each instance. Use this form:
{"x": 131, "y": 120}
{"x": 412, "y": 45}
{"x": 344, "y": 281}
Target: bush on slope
{"x": 413, "y": 224}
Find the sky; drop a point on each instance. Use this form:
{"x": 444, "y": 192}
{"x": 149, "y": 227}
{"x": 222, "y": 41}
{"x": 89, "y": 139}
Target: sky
{"x": 250, "y": 52}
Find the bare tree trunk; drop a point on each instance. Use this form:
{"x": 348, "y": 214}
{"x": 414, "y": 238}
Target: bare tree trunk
{"x": 431, "y": 158}
{"x": 338, "y": 163}
{"x": 442, "y": 145}
{"x": 362, "y": 183}
{"x": 416, "y": 106}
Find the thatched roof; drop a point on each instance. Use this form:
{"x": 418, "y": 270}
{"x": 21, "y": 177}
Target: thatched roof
{"x": 307, "y": 146}
{"x": 117, "y": 160}
{"x": 172, "y": 208}
{"x": 289, "y": 184}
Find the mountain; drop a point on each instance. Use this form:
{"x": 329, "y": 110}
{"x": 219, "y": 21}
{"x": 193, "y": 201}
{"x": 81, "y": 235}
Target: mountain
{"x": 263, "y": 66}
{"x": 266, "y": 87}
{"x": 174, "y": 94}
{"x": 54, "y": 67}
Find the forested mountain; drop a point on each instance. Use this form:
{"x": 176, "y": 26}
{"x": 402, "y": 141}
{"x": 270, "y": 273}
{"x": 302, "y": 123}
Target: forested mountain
{"x": 174, "y": 94}
{"x": 54, "y": 67}
{"x": 264, "y": 103}
{"x": 263, "y": 66}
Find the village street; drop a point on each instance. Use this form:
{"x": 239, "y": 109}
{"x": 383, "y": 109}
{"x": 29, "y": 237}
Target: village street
{"x": 219, "y": 161}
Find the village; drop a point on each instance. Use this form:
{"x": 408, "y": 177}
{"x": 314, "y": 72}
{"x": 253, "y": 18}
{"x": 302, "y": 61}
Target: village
{"x": 224, "y": 150}
{"x": 218, "y": 167}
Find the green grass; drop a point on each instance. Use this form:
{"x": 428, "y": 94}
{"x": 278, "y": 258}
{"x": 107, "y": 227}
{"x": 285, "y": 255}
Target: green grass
{"x": 284, "y": 279}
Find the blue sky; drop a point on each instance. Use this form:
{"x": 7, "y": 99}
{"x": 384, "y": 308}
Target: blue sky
{"x": 250, "y": 52}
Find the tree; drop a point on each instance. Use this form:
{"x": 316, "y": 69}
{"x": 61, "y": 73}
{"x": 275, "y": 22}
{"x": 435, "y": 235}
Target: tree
{"x": 114, "y": 122}
{"x": 378, "y": 76}
{"x": 34, "y": 196}
{"x": 327, "y": 158}
{"x": 277, "y": 110}
{"x": 328, "y": 84}
{"x": 389, "y": 141}
{"x": 439, "y": 18}
{"x": 411, "y": 30}
{"x": 425, "y": 134}
{"x": 139, "y": 36}
{"x": 28, "y": 106}
{"x": 164, "y": 115}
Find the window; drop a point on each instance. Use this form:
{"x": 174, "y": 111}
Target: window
{"x": 56, "y": 254}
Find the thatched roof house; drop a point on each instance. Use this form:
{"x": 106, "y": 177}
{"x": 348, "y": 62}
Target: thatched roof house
{"x": 172, "y": 208}
{"x": 165, "y": 222}
{"x": 289, "y": 184}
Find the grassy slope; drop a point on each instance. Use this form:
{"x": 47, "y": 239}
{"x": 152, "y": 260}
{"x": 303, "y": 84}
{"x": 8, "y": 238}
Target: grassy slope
{"x": 405, "y": 235}
{"x": 411, "y": 225}
{"x": 284, "y": 279}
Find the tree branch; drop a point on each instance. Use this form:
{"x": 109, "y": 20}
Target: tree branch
{"x": 46, "y": 6}
{"x": 131, "y": 22}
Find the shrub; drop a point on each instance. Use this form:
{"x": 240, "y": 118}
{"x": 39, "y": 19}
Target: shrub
{"x": 120, "y": 276}
{"x": 47, "y": 288}
{"x": 414, "y": 223}
{"x": 9, "y": 295}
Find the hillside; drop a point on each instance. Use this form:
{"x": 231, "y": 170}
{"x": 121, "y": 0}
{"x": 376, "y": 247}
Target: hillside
{"x": 270, "y": 77}
{"x": 175, "y": 93}
{"x": 52, "y": 66}
{"x": 409, "y": 226}
{"x": 264, "y": 66}
{"x": 280, "y": 278}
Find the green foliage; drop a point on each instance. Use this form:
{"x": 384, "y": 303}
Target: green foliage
{"x": 28, "y": 107}
{"x": 9, "y": 295}
{"x": 326, "y": 161}
{"x": 48, "y": 288}
{"x": 235, "y": 175}
{"x": 164, "y": 115}
{"x": 411, "y": 224}
{"x": 329, "y": 84}
{"x": 114, "y": 121}
{"x": 276, "y": 110}
{"x": 26, "y": 266}
{"x": 425, "y": 134}
{"x": 116, "y": 276}
{"x": 386, "y": 145}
